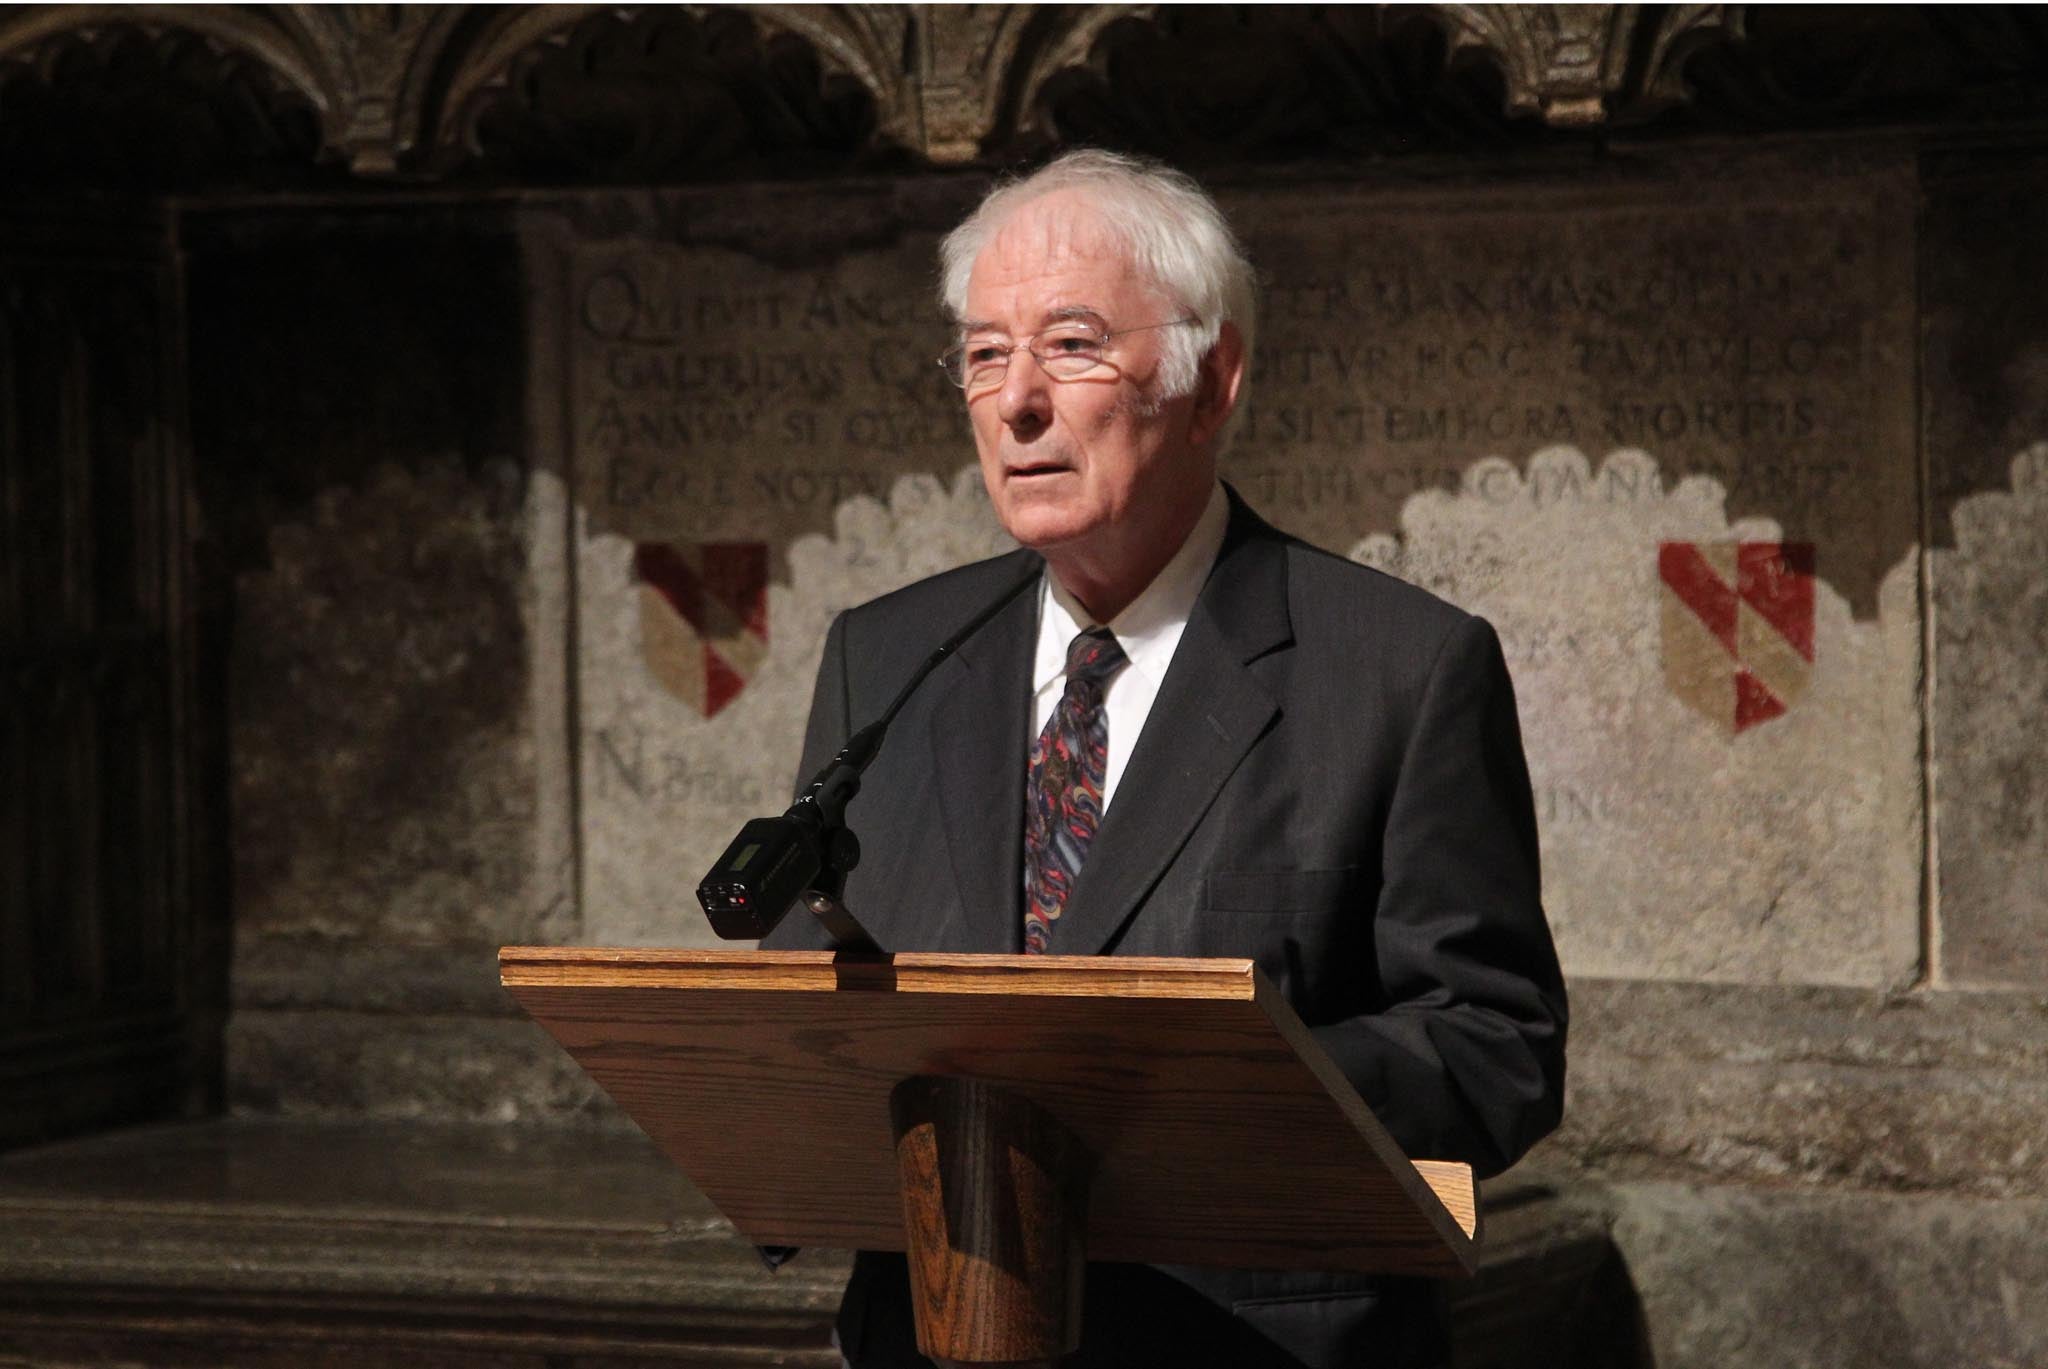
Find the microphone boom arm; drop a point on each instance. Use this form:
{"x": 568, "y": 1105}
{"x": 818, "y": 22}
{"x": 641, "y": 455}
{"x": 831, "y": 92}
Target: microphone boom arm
{"x": 808, "y": 851}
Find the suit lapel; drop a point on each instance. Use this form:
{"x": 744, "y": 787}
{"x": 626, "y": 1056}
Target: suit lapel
{"x": 979, "y": 752}
{"x": 1209, "y": 712}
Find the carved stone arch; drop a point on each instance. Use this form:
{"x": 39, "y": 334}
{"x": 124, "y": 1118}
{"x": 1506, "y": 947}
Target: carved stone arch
{"x": 77, "y": 80}
{"x": 493, "y": 69}
{"x": 1218, "y": 85}
{"x": 1955, "y": 67}
{"x": 966, "y": 62}
{"x": 867, "y": 43}
{"x": 1253, "y": 83}
{"x": 1045, "y": 42}
{"x": 1561, "y": 62}
{"x": 1683, "y": 32}
{"x": 1589, "y": 65}
{"x": 253, "y": 30}
{"x": 376, "y": 66}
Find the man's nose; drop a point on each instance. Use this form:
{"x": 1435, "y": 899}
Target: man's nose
{"x": 1025, "y": 401}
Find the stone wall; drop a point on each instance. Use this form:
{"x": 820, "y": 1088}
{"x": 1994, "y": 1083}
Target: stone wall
{"x": 395, "y": 778}
{"x": 539, "y": 512}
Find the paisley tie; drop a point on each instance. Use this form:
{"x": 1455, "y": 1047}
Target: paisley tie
{"x": 1063, "y": 793}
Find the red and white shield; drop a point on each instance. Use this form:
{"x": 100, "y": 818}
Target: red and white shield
{"x": 703, "y": 617}
{"x": 1738, "y": 627}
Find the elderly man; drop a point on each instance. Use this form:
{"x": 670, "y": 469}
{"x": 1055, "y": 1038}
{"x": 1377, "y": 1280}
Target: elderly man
{"x": 1199, "y": 737}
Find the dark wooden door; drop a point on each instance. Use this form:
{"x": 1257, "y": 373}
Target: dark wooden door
{"x": 97, "y": 945}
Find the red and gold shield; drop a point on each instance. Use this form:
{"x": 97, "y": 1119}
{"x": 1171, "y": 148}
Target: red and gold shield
{"x": 1738, "y": 627}
{"x": 703, "y": 617}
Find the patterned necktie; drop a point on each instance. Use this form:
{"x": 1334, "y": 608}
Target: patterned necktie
{"x": 1063, "y": 794}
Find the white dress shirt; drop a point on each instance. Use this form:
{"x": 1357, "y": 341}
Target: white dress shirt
{"x": 1148, "y": 630}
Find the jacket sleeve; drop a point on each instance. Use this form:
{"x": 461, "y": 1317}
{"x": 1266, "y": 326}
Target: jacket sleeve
{"x": 823, "y": 736}
{"x": 1466, "y": 1059}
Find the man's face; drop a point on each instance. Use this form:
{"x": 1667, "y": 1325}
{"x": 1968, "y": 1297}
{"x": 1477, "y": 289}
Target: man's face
{"x": 1078, "y": 467}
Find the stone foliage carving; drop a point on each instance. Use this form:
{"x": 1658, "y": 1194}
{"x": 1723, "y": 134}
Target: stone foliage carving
{"x": 395, "y": 87}
{"x": 659, "y": 93}
{"x": 1559, "y": 60}
{"x": 1252, "y": 84}
{"x": 622, "y": 94}
{"x": 417, "y": 90}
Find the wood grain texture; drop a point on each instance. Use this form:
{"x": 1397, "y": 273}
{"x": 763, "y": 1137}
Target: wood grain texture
{"x": 1125, "y": 977}
{"x": 995, "y": 1194}
{"x": 1224, "y": 1136}
{"x": 1453, "y": 1186}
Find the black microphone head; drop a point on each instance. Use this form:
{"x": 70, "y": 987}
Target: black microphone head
{"x": 758, "y": 879}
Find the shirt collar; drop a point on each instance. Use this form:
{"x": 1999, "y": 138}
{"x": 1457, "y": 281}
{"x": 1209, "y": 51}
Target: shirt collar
{"x": 1149, "y": 628}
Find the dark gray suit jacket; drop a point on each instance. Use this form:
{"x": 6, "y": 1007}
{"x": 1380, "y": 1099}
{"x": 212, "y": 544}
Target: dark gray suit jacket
{"x": 1331, "y": 782}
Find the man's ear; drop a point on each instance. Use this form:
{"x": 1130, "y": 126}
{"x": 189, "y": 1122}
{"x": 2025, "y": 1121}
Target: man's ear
{"x": 1216, "y": 386}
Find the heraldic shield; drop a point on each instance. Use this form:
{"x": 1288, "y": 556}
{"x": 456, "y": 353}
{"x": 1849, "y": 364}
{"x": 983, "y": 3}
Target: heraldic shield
{"x": 1737, "y": 627}
{"x": 703, "y": 617}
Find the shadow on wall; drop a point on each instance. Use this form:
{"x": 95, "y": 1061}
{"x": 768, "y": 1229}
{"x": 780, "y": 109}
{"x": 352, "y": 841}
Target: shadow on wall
{"x": 1555, "y": 1291}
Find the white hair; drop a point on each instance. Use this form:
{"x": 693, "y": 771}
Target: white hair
{"x": 1172, "y": 231}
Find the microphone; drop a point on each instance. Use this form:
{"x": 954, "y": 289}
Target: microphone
{"x": 808, "y": 851}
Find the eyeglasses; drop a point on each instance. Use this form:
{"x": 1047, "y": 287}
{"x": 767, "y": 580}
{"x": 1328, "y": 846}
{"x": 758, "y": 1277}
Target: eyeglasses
{"x": 1065, "y": 351}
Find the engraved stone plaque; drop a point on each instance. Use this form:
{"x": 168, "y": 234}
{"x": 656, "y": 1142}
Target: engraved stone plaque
{"x": 1761, "y": 335}
{"x": 724, "y": 399}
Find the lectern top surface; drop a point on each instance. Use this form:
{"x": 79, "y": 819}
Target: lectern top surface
{"x": 1222, "y": 1133}
{"x": 902, "y": 972}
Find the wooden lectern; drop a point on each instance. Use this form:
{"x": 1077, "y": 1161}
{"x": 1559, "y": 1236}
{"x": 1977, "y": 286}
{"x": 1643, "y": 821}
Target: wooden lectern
{"x": 995, "y": 1116}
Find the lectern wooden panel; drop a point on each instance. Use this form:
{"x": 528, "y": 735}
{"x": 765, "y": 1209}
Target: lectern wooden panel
{"x": 1221, "y": 1133}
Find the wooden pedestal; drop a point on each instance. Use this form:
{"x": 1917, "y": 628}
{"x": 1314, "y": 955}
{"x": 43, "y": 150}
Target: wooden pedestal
{"x": 995, "y": 1202}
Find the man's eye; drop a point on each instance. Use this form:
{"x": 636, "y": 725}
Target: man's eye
{"x": 983, "y": 353}
{"x": 1071, "y": 344}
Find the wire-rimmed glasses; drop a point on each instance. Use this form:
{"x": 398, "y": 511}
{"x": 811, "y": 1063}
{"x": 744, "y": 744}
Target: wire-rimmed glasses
{"x": 1065, "y": 351}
